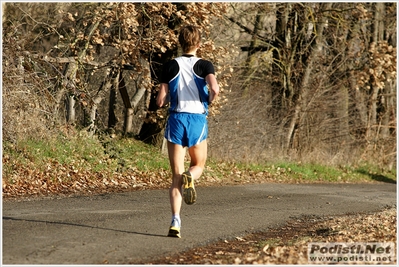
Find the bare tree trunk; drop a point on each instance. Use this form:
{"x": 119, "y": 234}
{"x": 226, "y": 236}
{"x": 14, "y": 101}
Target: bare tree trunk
{"x": 289, "y": 58}
{"x": 112, "y": 119}
{"x": 388, "y": 91}
{"x": 105, "y": 87}
{"x": 68, "y": 82}
{"x": 71, "y": 114}
{"x": 345, "y": 85}
{"x": 129, "y": 112}
{"x": 372, "y": 110}
{"x": 138, "y": 96}
{"x": 282, "y": 72}
{"x": 302, "y": 102}
{"x": 142, "y": 85}
{"x": 378, "y": 23}
{"x": 93, "y": 111}
{"x": 360, "y": 103}
{"x": 91, "y": 129}
{"x": 378, "y": 35}
{"x": 388, "y": 102}
{"x": 254, "y": 41}
{"x": 128, "y": 122}
{"x": 343, "y": 114}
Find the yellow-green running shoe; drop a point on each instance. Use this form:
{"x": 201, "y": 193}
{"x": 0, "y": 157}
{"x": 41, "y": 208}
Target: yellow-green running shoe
{"x": 189, "y": 194}
{"x": 174, "y": 229}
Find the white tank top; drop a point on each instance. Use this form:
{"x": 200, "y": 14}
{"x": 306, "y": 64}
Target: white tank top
{"x": 184, "y": 86}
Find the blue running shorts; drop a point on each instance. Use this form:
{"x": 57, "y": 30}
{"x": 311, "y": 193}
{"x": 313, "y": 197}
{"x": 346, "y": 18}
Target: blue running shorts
{"x": 186, "y": 129}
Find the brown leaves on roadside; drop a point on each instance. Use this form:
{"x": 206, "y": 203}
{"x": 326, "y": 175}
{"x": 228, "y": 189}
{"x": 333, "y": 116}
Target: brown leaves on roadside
{"x": 288, "y": 245}
{"x": 60, "y": 179}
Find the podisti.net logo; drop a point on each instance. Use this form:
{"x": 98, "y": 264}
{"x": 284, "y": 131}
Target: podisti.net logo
{"x": 357, "y": 252}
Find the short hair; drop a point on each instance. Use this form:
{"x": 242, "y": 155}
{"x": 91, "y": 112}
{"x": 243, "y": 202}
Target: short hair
{"x": 189, "y": 37}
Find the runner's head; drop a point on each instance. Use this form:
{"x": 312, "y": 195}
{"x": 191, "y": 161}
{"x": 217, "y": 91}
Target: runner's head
{"x": 189, "y": 38}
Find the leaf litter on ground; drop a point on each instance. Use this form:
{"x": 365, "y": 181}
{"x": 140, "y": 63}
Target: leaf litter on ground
{"x": 286, "y": 245}
{"x": 289, "y": 244}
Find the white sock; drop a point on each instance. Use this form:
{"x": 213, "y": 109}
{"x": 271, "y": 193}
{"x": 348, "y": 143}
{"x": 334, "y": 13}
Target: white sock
{"x": 177, "y": 217}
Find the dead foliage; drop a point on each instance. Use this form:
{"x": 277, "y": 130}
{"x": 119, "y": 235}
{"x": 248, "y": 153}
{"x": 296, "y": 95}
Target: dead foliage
{"x": 288, "y": 244}
{"x": 66, "y": 180}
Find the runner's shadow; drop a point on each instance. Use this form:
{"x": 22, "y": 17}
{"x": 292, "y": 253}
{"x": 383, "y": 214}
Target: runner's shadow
{"x": 81, "y": 225}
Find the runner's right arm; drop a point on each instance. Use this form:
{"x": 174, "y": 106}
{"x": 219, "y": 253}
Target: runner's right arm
{"x": 163, "y": 92}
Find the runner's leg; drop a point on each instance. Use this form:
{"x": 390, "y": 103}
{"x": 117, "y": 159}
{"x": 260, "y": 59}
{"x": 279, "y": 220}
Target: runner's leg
{"x": 198, "y": 155}
{"x": 176, "y": 159}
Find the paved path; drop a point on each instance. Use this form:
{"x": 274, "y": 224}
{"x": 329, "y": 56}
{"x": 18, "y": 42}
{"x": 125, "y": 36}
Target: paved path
{"x": 131, "y": 227}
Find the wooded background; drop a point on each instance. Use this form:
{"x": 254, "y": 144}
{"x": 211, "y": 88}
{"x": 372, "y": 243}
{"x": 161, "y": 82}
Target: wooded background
{"x": 300, "y": 81}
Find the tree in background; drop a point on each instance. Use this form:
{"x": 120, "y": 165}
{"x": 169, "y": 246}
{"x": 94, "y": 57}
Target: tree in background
{"x": 320, "y": 75}
{"x": 313, "y": 81}
{"x": 98, "y": 51}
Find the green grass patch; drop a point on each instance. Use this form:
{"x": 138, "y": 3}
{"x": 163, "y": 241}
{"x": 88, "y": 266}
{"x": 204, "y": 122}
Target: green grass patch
{"x": 97, "y": 155}
{"x": 315, "y": 172}
{"x": 106, "y": 154}
{"x": 374, "y": 173}
{"x": 309, "y": 172}
{"x": 142, "y": 156}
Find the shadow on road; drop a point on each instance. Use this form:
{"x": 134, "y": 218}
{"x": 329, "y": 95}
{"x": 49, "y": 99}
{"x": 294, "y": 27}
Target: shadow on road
{"x": 378, "y": 177}
{"x": 82, "y": 225}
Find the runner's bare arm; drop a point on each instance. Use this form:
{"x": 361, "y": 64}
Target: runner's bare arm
{"x": 163, "y": 92}
{"x": 213, "y": 87}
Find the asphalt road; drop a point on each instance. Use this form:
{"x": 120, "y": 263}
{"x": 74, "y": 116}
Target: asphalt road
{"x": 129, "y": 228}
